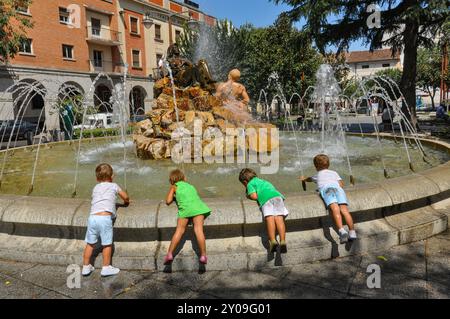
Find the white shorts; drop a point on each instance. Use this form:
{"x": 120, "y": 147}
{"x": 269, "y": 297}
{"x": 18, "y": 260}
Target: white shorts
{"x": 274, "y": 207}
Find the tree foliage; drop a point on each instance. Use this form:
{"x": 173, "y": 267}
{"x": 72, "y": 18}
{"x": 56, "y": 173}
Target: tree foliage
{"x": 429, "y": 63}
{"x": 405, "y": 25}
{"x": 257, "y": 52}
{"x": 13, "y": 27}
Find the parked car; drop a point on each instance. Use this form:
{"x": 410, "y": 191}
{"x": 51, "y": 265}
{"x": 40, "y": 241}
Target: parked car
{"x": 23, "y": 130}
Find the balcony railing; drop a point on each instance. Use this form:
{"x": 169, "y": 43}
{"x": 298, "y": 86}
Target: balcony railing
{"x": 102, "y": 35}
{"x": 98, "y": 66}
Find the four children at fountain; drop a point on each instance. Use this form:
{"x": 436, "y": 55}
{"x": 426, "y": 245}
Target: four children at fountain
{"x": 192, "y": 208}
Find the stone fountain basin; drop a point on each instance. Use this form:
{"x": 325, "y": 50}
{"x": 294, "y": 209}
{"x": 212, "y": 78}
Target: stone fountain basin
{"x": 387, "y": 213}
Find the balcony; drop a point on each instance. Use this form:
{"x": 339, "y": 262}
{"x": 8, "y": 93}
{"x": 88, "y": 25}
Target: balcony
{"x": 103, "y": 36}
{"x": 98, "y": 66}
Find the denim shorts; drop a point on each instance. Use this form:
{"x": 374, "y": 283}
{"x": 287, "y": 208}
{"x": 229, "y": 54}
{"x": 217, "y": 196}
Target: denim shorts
{"x": 99, "y": 227}
{"x": 333, "y": 194}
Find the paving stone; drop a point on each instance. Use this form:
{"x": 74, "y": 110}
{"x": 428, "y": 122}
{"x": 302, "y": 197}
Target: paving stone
{"x": 189, "y": 280}
{"x": 8, "y": 267}
{"x": 334, "y": 274}
{"x": 393, "y": 286}
{"x": 11, "y": 288}
{"x": 150, "y": 289}
{"x": 408, "y": 260}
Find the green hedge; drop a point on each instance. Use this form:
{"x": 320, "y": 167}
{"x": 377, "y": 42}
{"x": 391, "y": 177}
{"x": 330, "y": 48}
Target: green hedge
{"x": 99, "y": 132}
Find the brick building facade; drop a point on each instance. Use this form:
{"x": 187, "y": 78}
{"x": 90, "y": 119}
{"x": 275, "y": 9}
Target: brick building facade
{"x": 73, "y": 41}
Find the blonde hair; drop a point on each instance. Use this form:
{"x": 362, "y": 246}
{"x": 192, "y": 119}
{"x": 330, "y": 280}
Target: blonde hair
{"x": 104, "y": 172}
{"x": 176, "y": 176}
{"x": 322, "y": 162}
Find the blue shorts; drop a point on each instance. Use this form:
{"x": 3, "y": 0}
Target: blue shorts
{"x": 333, "y": 194}
{"x": 99, "y": 227}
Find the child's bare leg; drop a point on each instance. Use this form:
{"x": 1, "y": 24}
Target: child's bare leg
{"x": 336, "y": 213}
{"x": 179, "y": 232}
{"x": 281, "y": 227}
{"x": 107, "y": 253}
{"x": 270, "y": 224}
{"x": 347, "y": 216}
{"x": 199, "y": 234}
{"x": 88, "y": 251}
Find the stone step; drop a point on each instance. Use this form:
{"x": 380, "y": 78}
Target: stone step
{"x": 245, "y": 252}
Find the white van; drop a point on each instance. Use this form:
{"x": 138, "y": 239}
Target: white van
{"x": 99, "y": 120}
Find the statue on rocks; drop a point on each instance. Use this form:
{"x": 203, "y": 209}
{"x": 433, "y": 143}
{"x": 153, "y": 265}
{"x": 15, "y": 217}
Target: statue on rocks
{"x": 234, "y": 96}
{"x": 185, "y": 73}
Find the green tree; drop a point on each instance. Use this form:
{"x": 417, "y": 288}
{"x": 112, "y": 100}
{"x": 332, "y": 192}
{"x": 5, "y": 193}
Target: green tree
{"x": 405, "y": 25}
{"x": 429, "y": 63}
{"x": 13, "y": 27}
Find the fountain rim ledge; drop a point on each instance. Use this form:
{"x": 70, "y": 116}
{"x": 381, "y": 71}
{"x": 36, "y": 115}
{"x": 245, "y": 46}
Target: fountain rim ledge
{"x": 370, "y": 201}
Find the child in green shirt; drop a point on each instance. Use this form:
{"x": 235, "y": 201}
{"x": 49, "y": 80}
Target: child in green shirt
{"x": 190, "y": 206}
{"x": 271, "y": 202}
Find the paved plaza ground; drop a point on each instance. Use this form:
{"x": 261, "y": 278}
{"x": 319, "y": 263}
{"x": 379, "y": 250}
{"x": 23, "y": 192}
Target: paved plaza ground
{"x": 418, "y": 270}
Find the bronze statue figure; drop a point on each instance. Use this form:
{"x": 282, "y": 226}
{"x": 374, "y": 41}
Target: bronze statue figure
{"x": 186, "y": 73}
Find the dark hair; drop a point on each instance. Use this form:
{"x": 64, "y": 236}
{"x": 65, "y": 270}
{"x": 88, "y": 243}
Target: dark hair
{"x": 104, "y": 172}
{"x": 176, "y": 176}
{"x": 321, "y": 161}
{"x": 246, "y": 175}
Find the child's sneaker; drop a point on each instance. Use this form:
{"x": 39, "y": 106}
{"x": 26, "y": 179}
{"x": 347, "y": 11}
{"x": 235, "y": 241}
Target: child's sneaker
{"x": 273, "y": 245}
{"x": 352, "y": 235}
{"x": 203, "y": 260}
{"x": 283, "y": 247}
{"x": 87, "y": 270}
{"x": 168, "y": 259}
{"x": 343, "y": 236}
{"x": 109, "y": 271}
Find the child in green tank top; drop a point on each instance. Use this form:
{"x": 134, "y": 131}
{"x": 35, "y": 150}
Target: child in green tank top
{"x": 190, "y": 206}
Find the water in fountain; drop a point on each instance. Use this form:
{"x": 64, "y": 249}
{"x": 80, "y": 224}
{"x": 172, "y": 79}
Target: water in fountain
{"x": 65, "y": 168}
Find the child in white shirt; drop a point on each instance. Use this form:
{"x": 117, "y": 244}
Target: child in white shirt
{"x": 100, "y": 223}
{"x": 329, "y": 185}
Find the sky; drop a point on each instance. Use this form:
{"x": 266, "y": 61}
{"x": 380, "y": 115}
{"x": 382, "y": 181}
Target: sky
{"x": 260, "y": 13}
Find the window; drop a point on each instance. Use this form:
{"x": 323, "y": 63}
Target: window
{"x": 134, "y": 25}
{"x": 365, "y": 66}
{"x": 386, "y": 65}
{"x": 23, "y": 9}
{"x": 136, "y": 55}
{"x": 158, "y": 32}
{"x": 96, "y": 27}
{"x": 158, "y": 58}
{"x": 98, "y": 59}
{"x": 67, "y": 51}
{"x": 177, "y": 35}
{"x": 26, "y": 46}
{"x": 64, "y": 15}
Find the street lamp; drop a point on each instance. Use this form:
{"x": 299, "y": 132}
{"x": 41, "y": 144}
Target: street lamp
{"x": 192, "y": 23}
{"x": 148, "y": 21}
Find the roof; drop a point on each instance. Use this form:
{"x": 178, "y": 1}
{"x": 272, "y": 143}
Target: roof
{"x": 367, "y": 56}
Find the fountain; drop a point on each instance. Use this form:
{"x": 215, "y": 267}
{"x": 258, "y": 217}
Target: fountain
{"x": 38, "y": 181}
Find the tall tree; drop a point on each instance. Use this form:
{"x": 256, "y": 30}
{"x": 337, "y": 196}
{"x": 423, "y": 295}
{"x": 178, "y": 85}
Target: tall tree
{"x": 405, "y": 25}
{"x": 13, "y": 27}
